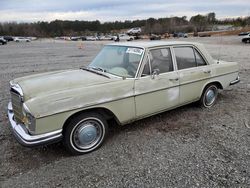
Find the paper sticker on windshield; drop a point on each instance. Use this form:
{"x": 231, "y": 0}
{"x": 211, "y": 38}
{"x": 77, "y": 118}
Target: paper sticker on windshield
{"x": 137, "y": 51}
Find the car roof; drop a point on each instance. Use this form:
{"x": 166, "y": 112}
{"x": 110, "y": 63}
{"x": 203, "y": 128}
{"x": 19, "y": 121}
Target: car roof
{"x": 150, "y": 44}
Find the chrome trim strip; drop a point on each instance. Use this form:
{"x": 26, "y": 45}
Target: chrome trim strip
{"x": 134, "y": 95}
{"x": 140, "y": 63}
{"x": 24, "y": 138}
{"x": 173, "y": 58}
{"x": 26, "y": 108}
{"x": 235, "y": 81}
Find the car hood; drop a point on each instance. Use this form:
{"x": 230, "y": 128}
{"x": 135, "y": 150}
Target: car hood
{"x": 57, "y": 81}
{"x": 60, "y": 91}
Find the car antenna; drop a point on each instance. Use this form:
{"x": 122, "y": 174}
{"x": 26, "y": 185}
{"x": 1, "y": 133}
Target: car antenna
{"x": 219, "y": 51}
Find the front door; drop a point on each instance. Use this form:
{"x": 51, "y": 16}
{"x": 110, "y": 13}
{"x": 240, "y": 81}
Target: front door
{"x": 158, "y": 88}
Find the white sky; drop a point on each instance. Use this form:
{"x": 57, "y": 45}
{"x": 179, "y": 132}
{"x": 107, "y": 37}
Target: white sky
{"x": 112, "y": 10}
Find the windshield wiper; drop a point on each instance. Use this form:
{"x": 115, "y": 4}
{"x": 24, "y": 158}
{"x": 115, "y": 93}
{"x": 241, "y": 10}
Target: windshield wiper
{"x": 94, "y": 71}
{"x": 98, "y": 69}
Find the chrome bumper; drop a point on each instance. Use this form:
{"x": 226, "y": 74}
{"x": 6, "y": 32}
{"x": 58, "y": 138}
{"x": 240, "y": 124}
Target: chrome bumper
{"x": 26, "y": 139}
{"x": 235, "y": 81}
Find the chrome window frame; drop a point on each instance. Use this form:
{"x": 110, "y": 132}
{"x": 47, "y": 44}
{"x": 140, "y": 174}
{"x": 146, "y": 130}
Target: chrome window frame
{"x": 198, "y": 51}
{"x": 170, "y": 47}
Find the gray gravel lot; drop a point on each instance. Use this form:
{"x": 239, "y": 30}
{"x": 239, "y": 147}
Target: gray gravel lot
{"x": 185, "y": 147}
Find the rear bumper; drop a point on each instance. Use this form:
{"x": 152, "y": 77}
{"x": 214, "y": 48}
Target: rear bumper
{"x": 237, "y": 80}
{"x": 26, "y": 139}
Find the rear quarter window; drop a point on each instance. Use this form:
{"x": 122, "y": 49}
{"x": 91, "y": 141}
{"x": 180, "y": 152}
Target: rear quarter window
{"x": 199, "y": 59}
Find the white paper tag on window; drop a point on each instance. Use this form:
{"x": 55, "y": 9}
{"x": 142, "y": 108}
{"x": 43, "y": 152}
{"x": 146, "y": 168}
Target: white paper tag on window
{"x": 164, "y": 52}
{"x": 137, "y": 51}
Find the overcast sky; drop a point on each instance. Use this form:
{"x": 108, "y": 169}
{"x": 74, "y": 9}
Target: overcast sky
{"x": 112, "y": 10}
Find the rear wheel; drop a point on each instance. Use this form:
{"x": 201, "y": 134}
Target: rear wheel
{"x": 85, "y": 133}
{"x": 209, "y": 96}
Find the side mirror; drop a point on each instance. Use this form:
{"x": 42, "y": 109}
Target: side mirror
{"x": 155, "y": 73}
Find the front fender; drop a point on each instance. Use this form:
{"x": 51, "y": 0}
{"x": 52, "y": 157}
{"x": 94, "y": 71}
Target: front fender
{"x": 123, "y": 110}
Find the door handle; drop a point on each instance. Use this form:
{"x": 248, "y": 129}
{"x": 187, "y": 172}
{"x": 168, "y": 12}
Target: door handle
{"x": 174, "y": 79}
{"x": 207, "y": 71}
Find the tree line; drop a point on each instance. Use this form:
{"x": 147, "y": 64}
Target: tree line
{"x": 196, "y": 23}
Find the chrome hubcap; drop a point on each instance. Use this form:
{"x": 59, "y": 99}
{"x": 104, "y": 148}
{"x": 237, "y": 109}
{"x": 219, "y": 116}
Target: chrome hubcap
{"x": 210, "y": 97}
{"x": 87, "y": 134}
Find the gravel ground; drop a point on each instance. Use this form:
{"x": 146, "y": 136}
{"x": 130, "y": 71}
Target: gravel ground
{"x": 185, "y": 147}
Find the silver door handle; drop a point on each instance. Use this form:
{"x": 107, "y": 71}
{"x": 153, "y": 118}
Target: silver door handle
{"x": 174, "y": 79}
{"x": 207, "y": 71}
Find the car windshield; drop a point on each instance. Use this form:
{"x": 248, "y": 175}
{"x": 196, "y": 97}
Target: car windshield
{"x": 121, "y": 61}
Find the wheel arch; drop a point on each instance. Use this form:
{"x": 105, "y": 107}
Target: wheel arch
{"x": 107, "y": 114}
{"x": 217, "y": 83}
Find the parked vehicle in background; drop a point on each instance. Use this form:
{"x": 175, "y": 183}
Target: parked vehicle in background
{"x": 83, "y": 38}
{"x": 91, "y": 38}
{"x": 195, "y": 34}
{"x": 63, "y": 38}
{"x": 124, "y": 83}
{"x": 155, "y": 37}
{"x": 180, "y": 34}
{"x": 8, "y": 38}
{"x": 106, "y": 37}
{"x": 123, "y": 37}
{"x": 244, "y": 33}
{"x": 205, "y": 35}
{"x": 3, "y": 41}
{"x": 134, "y": 31}
{"x": 166, "y": 35}
{"x": 138, "y": 37}
{"x": 21, "y": 39}
{"x": 75, "y": 38}
{"x": 32, "y": 38}
{"x": 246, "y": 39}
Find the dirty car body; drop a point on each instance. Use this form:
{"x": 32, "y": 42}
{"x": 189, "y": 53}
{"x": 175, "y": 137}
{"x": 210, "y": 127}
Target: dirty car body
{"x": 125, "y": 82}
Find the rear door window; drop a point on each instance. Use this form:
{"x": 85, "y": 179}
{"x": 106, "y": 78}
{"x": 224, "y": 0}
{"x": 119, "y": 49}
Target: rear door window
{"x": 185, "y": 57}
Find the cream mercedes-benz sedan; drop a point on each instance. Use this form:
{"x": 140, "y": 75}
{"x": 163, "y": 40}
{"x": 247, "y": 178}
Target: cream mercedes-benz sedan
{"x": 125, "y": 82}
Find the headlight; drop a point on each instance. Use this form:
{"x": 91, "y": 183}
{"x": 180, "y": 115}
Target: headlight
{"x": 28, "y": 119}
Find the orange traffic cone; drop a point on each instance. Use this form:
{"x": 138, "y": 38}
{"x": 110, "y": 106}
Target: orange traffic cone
{"x": 80, "y": 46}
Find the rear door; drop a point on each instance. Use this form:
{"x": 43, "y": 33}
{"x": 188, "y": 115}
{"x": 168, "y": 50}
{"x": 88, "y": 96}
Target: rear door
{"x": 193, "y": 72}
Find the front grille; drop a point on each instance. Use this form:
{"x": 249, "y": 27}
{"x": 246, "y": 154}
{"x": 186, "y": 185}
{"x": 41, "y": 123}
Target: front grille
{"x": 16, "y": 105}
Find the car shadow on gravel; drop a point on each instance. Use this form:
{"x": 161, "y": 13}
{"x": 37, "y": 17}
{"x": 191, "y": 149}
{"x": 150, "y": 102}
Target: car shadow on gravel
{"x": 165, "y": 123}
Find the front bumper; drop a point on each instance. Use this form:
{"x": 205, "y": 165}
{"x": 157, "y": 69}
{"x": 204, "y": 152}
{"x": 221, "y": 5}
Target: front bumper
{"x": 26, "y": 139}
{"x": 237, "y": 80}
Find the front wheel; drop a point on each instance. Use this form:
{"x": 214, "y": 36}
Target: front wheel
{"x": 209, "y": 96}
{"x": 85, "y": 133}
